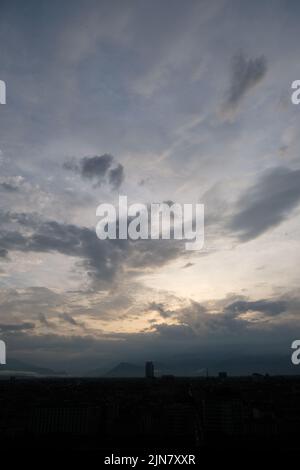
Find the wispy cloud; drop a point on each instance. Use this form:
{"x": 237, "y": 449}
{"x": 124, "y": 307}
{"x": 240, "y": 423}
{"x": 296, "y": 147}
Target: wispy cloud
{"x": 266, "y": 204}
{"x": 246, "y": 73}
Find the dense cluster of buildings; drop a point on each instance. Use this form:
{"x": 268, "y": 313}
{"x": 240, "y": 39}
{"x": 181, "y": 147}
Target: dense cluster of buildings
{"x": 165, "y": 412}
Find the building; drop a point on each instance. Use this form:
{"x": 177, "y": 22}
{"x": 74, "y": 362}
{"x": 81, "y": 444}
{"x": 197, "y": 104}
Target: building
{"x": 222, "y": 375}
{"x": 149, "y": 370}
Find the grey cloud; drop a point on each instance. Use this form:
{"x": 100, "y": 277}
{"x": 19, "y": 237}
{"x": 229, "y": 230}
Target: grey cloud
{"x": 209, "y": 333}
{"x": 102, "y": 259}
{"x": 245, "y": 74}
{"x": 267, "y": 307}
{"x": 175, "y": 332}
{"x": 44, "y": 321}
{"x": 71, "y": 165}
{"x": 9, "y": 328}
{"x": 10, "y": 240}
{"x": 116, "y": 176}
{"x": 66, "y": 317}
{"x": 199, "y": 326}
{"x": 187, "y": 265}
{"x": 98, "y": 169}
{"x": 38, "y": 305}
{"x": 8, "y": 187}
{"x": 31, "y": 220}
{"x": 12, "y": 184}
{"x": 3, "y": 253}
{"x": 160, "y": 308}
{"x": 217, "y": 320}
{"x": 267, "y": 203}
{"x": 69, "y": 319}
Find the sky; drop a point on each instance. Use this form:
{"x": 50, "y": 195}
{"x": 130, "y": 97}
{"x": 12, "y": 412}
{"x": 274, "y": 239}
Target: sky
{"x": 159, "y": 101}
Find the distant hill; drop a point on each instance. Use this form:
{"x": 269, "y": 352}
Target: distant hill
{"x": 14, "y": 366}
{"x": 178, "y": 365}
{"x": 125, "y": 369}
{"x": 193, "y": 366}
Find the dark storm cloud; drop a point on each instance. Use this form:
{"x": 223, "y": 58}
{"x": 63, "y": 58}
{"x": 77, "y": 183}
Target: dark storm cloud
{"x": 44, "y": 321}
{"x": 66, "y": 317}
{"x": 116, "y": 176}
{"x": 7, "y": 328}
{"x": 95, "y": 167}
{"x": 208, "y": 326}
{"x": 31, "y": 220}
{"x": 175, "y": 332}
{"x": 267, "y": 203}
{"x": 10, "y": 240}
{"x": 216, "y": 320}
{"x": 245, "y": 74}
{"x": 267, "y": 307}
{"x": 199, "y": 330}
{"x": 98, "y": 169}
{"x": 160, "y": 308}
{"x": 3, "y": 253}
{"x": 8, "y": 187}
{"x": 69, "y": 319}
{"x": 102, "y": 259}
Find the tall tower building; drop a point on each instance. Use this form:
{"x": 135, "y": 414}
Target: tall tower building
{"x": 149, "y": 370}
